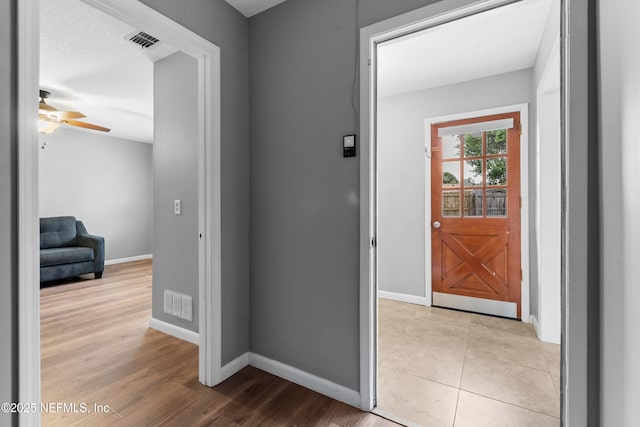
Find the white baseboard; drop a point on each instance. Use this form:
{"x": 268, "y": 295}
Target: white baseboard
{"x": 235, "y": 366}
{"x": 175, "y": 331}
{"x": 534, "y": 321}
{"x": 305, "y": 379}
{"x": 130, "y": 259}
{"x": 395, "y": 296}
{"x": 543, "y": 335}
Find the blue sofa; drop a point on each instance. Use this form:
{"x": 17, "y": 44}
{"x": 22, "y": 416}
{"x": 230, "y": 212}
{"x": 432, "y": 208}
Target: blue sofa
{"x": 67, "y": 250}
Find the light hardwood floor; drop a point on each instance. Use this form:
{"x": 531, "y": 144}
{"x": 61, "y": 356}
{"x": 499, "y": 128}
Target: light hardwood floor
{"x": 440, "y": 367}
{"x": 97, "y": 348}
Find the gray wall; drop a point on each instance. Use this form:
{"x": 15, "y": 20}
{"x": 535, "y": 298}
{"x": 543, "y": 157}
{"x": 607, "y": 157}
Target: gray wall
{"x": 218, "y": 22}
{"x": 620, "y": 203}
{"x": 175, "y": 177}
{"x": 8, "y": 210}
{"x": 401, "y": 167}
{"x": 104, "y": 182}
{"x": 304, "y": 194}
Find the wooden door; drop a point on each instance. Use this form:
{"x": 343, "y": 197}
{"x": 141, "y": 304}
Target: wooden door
{"x": 475, "y": 209}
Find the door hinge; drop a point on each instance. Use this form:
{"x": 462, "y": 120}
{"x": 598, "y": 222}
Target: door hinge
{"x": 520, "y": 128}
{"x": 520, "y": 202}
{"x": 521, "y": 275}
{"x": 369, "y": 61}
{"x": 373, "y": 242}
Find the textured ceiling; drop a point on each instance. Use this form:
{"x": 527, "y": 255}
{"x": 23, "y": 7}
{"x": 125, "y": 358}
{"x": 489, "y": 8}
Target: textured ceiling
{"x": 252, "y": 7}
{"x": 490, "y": 43}
{"x": 88, "y": 66}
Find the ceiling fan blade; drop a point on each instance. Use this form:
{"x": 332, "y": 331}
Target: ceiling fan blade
{"x": 46, "y": 107}
{"x": 85, "y": 125}
{"x": 67, "y": 115}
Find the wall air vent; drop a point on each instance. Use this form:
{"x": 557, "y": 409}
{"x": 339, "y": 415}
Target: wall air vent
{"x": 142, "y": 39}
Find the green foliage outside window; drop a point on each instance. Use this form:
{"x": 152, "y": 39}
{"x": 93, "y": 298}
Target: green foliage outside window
{"x": 449, "y": 178}
{"x": 496, "y": 144}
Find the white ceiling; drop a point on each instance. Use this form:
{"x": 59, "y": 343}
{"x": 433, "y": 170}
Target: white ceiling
{"x": 494, "y": 42}
{"x": 88, "y": 66}
{"x": 252, "y": 7}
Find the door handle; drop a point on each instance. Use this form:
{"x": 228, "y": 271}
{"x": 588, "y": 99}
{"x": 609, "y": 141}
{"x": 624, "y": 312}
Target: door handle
{"x": 436, "y": 224}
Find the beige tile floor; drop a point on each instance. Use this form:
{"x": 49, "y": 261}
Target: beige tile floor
{"x": 439, "y": 367}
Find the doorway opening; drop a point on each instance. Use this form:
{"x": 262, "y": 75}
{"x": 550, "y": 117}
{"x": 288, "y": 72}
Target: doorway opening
{"x": 207, "y": 135}
{"x": 492, "y": 269}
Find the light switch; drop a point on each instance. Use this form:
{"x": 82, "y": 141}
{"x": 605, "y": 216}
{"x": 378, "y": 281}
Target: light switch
{"x": 349, "y": 146}
{"x": 177, "y": 207}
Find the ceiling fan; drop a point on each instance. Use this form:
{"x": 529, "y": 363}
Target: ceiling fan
{"x": 50, "y": 117}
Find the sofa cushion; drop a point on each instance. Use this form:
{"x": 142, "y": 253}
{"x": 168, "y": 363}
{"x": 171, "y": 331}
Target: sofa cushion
{"x": 57, "y": 256}
{"x": 56, "y": 232}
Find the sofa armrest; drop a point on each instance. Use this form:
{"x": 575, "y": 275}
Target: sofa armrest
{"x": 94, "y": 242}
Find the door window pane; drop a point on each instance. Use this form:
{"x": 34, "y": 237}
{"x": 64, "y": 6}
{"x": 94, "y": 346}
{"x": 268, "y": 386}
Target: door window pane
{"x": 497, "y": 202}
{"x": 497, "y": 142}
{"x": 473, "y": 144}
{"x": 451, "y": 146}
{"x": 473, "y": 203}
{"x": 451, "y": 203}
{"x": 473, "y": 173}
{"x": 497, "y": 171}
{"x": 451, "y": 174}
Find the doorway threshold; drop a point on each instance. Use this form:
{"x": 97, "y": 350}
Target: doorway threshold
{"x": 476, "y": 305}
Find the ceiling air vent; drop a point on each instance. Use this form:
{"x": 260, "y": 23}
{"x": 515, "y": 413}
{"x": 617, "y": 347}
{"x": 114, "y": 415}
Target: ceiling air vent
{"x": 142, "y": 39}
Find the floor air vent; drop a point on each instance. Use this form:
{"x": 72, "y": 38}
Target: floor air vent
{"x": 142, "y": 39}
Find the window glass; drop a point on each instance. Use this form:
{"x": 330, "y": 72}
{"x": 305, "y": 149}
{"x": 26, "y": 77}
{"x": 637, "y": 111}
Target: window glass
{"x": 497, "y": 171}
{"x": 497, "y": 202}
{"x": 451, "y": 174}
{"x": 473, "y": 173}
{"x": 451, "y": 203}
{"x": 473, "y": 203}
{"x": 473, "y": 145}
{"x": 451, "y": 146}
{"x": 497, "y": 142}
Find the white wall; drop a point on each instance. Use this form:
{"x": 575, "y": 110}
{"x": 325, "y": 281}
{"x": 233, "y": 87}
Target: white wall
{"x": 548, "y": 218}
{"x": 105, "y": 182}
{"x": 401, "y": 168}
{"x": 546, "y": 179}
{"x": 619, "y": 80}
{"x": 548, "y": 41}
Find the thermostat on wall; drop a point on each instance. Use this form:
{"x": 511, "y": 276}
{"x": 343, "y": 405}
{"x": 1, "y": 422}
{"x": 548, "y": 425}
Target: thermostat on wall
{"x": 349, "y": 146}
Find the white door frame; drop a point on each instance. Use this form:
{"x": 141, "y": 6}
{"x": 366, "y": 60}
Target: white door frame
{"x": 208, "y": 57}
{"x": 576, "y": 98}
{"x": 547, "y": 322}
{"x": 523, "y": 109}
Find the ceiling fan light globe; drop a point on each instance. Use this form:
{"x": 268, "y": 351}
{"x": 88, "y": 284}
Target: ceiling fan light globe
{"x": 46, "y": 126}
